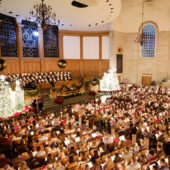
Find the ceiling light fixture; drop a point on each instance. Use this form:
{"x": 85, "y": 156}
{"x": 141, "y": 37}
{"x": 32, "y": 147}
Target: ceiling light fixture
{"x": 79, "y": 4}
{"x": 43, "y": 14}
{"x": 140, "y": 38}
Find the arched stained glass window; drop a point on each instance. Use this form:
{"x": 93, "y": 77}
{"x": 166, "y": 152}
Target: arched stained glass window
{"x": 148, "y": 47}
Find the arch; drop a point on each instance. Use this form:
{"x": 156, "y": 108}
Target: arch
{"x": 148, "y": 48}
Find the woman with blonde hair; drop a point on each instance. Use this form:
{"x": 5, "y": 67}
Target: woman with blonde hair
{"x": 23, "y": 166}
{"x": 58, "y": 166}
{"x": 63, "y": 158}
{"x": 109, "y": 163}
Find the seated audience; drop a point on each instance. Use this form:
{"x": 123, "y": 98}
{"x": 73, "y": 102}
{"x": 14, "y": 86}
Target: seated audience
{"x": 129, "y": 130}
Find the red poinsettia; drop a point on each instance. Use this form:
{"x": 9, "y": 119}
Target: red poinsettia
{"x": 59, "y": 99}
{"x": 92, "y": 92}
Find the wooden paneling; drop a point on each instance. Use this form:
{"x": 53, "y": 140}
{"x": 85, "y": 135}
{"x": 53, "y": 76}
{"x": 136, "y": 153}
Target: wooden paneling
{"x": 73, "y": 65}
{"x": 91, "y": 67}
{"x": 50, "y": 65}
{"x": 80, "y": 33}
{"x": 78, "y": 67}
{"x": 119, "y": 78}
{"x": 30, "y": 65}
{"x": 105, "y": 65}
{"x": 12, "y": 66}
{"x": 146, "y": 80}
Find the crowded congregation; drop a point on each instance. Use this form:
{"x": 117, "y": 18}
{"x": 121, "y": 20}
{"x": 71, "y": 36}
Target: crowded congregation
{"x": 130, "y": 130}
{"x": 84, "y": 85}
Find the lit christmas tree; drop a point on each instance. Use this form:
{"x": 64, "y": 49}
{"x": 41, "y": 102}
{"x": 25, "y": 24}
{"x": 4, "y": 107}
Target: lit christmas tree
{"x": 10, "y": 101}
{"x": 109, "y": 81}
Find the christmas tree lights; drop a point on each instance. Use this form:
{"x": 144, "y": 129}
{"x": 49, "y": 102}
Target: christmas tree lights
{"x": 10, "y": 101}
{"x": 109, "y": 81}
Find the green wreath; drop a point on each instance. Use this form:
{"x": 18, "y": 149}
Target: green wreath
{"x": 2, "y": 64}
{"x": 62, "y": 63}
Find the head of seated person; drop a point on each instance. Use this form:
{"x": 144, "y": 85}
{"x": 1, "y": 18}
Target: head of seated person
{"x": 23, "y": 165}
{"x": 78, "y": 134}
{"x": 50, "y": 159}
{"x": 117, "y": 158}
{"x": 136, "y": 147}
{"x": 94, "y": 144}
{"x": 163, "y": 164}
{"x": 8, "y": 166}
{"x": 70, "y": 125}
{"x": 72, "y": 150}
{"x": 155, "y": 167}
{"x": 58, "y": 164}
{"x": 87, "y": 167}
{"x": 95, "y": 165}
{"x": 83, "y": 157}
{"x": 40, "y": 152}
{"x": 95, "y": 154}
{"x": 109, "y": 162}
{"x": 72, "y": 163}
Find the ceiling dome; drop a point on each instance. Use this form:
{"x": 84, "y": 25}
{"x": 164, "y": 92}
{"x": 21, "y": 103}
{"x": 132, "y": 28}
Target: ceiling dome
{"x": 96, "y": 12}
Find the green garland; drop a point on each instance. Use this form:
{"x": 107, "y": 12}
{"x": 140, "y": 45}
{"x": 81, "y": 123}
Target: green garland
{"x": 53, "y": 88}
{"x": 73, "y": 87}
{"x": 95, "y": 82}
{"x": 32, "y": 94}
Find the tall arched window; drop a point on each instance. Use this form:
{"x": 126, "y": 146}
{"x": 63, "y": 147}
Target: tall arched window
{"x": 148, "y": 47}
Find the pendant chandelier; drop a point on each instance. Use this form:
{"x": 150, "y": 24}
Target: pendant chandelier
{"x": 140, "y": 38}
{"x": 43, "y": 14}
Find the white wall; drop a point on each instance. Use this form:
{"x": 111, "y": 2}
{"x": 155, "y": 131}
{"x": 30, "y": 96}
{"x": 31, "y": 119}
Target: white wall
{"x": 134, "y": 65}
{"x": 105, "y": 47}
{"x": 90, "y": 47}
{"x": 71, "y": 45}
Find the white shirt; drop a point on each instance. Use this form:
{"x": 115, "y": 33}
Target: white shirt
{"x": 134, "y": 166}
{"x": 40, "y": 153}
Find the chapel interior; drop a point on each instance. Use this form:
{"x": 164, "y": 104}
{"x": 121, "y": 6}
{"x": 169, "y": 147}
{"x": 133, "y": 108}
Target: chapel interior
{"x": 84, "y": 84}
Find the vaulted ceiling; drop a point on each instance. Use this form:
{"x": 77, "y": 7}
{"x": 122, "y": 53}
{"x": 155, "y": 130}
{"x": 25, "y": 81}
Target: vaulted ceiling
{"x": 121, "y": 15}
{"x": 96, "y": 15}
